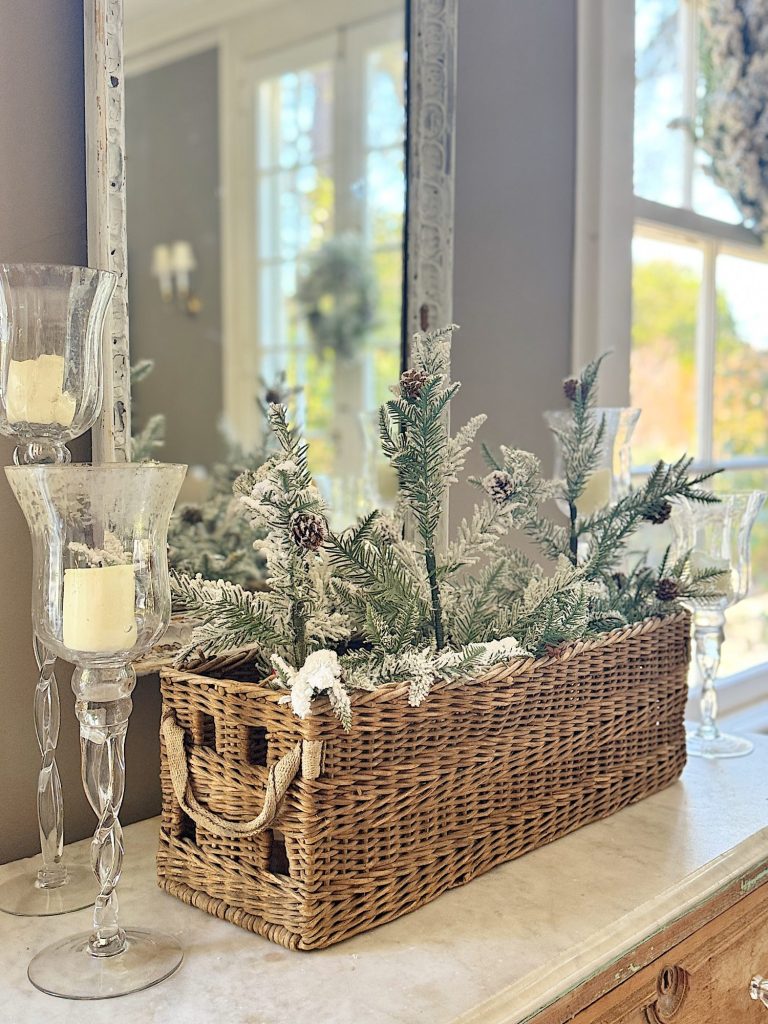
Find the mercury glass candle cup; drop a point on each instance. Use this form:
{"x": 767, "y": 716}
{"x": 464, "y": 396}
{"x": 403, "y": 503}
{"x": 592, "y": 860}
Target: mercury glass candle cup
{"x": 101, "y": 599}
{"x": 717, "y": 537}
{"x": 51, "y": 322}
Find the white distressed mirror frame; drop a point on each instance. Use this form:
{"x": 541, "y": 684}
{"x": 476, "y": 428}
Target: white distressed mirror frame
{"x": 430, "y": 162}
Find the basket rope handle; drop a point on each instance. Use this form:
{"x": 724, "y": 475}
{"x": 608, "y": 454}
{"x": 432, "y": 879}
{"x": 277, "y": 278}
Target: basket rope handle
{"x": 280, "y": 776}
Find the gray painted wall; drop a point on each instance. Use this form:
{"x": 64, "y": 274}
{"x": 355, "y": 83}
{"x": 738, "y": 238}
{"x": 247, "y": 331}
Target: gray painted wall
{"x": 172, "y": 149}
{"x": 42, "y": 218}
{"x": 515, "y": 159}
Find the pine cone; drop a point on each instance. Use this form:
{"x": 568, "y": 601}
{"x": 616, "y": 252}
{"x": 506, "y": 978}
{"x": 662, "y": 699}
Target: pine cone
{"x": 308, "y": 530}
{"x": 191, "y": 515}
{"x": 499, "y": 486}
{"x": 412, "y": 383}
{"x": 667, "y": 590}
{"x": 658, "y": 512}
{"x": 571, "y": 388}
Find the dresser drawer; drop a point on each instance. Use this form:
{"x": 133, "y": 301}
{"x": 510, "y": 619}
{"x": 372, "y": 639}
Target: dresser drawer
{"x": 703, "y": 980}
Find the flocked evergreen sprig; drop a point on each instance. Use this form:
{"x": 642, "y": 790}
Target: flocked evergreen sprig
{"x": 609, "y": 529}
{"x": 151, "y": 437}
{"x": 295, "y": 617}
{"x": 283, "y": 501}
{"x": 399, "y": 593}
{"x": 596, "y": 544}
{"x": 581, "y": 445}
{"x": 228, "y": 617}
{"x": 644, "y": 591}
{"x": 368, "y": 606}
{"x": 415, "y": 439}
{"x": 213, "y": 538}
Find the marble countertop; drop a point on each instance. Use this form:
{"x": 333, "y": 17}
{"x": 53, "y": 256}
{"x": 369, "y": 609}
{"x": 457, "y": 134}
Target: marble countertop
{"x": 494, "y": 951}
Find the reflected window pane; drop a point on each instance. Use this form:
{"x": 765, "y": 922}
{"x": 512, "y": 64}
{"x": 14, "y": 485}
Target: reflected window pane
{"x": 296, "y": 118}
{"x": 709, "y": 198}
{"x": 295, "y": 211}
{"x": 659, "y": 139}
{"x": 666, "y": 281}
{"x": 386, "y": 101}
{"x": 746, "y": 632}
{"x": 741, "y": 359}
{"x": 385, "y": 191}
{"x": 386, "y": 355}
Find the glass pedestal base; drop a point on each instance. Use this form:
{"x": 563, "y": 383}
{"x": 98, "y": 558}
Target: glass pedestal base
{"x": 67, "y": 968}
{"x": 720, "y": 745}
{"x": 23, "y": 897}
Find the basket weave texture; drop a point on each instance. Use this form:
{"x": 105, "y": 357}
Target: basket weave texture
{"x": 364, "y": 827}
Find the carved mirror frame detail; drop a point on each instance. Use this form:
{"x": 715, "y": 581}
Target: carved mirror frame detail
{"x": 431, "y": 151}
{"x": 105, "y": 188}
{"x": 430, "y": 161}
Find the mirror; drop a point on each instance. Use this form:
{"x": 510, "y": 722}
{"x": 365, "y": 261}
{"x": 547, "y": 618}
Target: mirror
{"x": 266, "y": 199}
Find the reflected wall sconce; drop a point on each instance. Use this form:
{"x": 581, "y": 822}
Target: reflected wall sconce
{"x": 172, "y": 266}
{"x": 161, "y": 269}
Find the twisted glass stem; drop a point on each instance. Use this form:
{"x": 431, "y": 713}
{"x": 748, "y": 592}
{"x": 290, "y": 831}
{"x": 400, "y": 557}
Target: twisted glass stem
{"x": 103, "y": 708}
{"x": 708, "y": 635}
{"x": 50, "y": 806}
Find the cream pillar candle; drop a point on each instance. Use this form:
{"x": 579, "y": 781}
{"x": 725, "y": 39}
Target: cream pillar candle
{"x": 597, "y": 493}
{"x": 99, "y": 608}
{"x": 35, "y": 392}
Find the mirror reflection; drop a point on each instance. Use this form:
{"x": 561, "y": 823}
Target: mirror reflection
{"x": 266, "y": 214}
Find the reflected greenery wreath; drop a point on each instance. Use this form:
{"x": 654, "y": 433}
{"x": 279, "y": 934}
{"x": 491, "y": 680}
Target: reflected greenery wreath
{"x": 338, "y": 296}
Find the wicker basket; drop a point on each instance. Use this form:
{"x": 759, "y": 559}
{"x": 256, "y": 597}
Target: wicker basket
{"x": 307, "y": 835}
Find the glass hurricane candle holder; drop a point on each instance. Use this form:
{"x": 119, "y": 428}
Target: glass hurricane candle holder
{"x": 611, "y": 479}
{"x": 101, "y": 599}
{"x": 717, "y": 537}
{"x": 51, "y": 321}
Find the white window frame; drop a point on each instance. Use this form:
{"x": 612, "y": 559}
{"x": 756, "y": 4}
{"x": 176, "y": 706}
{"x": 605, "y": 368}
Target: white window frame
{"x": 606, "y": 215}
{"x": 712, "y": 238}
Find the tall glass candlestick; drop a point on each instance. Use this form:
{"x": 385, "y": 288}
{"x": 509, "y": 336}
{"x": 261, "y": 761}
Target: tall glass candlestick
{"x": 51, "y": 321}
{"x": 717, "y": 537}
{"x": 101, "y": 599}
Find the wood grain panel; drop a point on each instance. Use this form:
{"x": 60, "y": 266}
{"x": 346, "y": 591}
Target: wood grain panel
{"x": 702, "y": 980}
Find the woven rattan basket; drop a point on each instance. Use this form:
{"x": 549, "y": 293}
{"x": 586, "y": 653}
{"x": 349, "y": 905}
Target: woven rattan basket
{"x": 308, "y": 835}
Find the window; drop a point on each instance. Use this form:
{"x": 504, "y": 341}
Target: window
{"x": 329, "y": 133}
{"x": 699, "y": 351}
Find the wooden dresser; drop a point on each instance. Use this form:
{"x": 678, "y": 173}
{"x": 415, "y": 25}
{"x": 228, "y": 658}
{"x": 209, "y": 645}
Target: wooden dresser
{"x": 704, "y": 969}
